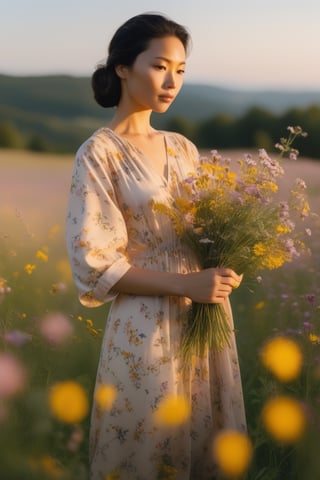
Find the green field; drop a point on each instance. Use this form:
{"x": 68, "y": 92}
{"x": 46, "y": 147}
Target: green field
{"x": 34, "y": 443}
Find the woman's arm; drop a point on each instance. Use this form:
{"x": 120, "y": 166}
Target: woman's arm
{"x": 212, "y": 285}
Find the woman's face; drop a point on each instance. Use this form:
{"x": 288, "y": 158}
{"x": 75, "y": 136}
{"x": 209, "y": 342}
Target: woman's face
{"x": 156, "y": 77}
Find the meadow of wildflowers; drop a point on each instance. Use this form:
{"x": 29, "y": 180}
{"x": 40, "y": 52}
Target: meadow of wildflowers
{"x": 49, "y": 344}
{"x": 49, "y": 348}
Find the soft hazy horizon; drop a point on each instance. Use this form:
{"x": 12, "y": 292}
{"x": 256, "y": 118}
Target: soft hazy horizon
{"x": 247, "y": 44}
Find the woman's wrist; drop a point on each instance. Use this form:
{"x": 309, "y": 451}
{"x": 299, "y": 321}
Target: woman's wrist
{"x": 151, "y": 282}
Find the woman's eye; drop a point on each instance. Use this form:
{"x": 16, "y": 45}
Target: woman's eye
{"x": 181, "y": 72}
{"x": 160, "y": 67}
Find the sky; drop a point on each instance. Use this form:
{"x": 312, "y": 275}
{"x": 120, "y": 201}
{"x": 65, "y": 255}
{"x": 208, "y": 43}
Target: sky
{"x": 247, "y": 44}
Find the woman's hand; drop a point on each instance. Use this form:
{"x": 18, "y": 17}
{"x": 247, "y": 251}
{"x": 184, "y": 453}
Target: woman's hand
{"x": 212, "y": 285}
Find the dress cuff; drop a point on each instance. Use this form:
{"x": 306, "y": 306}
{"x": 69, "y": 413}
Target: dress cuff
{"x": 102, "y": 292}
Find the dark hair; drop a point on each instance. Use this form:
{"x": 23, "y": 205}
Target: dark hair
{"x": 131, "y": 39}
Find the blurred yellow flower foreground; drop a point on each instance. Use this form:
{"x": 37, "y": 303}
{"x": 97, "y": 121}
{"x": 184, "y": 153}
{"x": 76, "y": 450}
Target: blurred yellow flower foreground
{"x": 284, "y": 419}
{"x": 232, "y": 451}
{"x": 105, "y": 395}
{"x": 68, "y": 402}
{"x": 173, "y": 411}
{"x": 283, "y": 357}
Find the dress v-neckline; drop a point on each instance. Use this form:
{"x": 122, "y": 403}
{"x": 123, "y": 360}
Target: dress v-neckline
{"x": 166, "y": 171}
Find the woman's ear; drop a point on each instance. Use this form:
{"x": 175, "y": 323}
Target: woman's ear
{"x": 121, "y": 71}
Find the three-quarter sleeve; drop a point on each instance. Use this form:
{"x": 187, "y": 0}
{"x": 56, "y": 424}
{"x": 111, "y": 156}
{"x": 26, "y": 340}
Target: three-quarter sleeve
{"x": 96, "y": 232}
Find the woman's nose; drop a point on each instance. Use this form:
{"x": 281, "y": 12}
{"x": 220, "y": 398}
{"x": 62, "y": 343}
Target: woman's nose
{"x": 170, "y": 80}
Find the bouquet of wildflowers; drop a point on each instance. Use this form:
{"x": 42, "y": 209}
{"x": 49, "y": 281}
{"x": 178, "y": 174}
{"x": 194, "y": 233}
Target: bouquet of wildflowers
{"x": 235, "y": 219}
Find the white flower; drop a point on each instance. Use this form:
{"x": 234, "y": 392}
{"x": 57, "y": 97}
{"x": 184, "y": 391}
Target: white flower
{"x": 301, "y": 183}
{"x": 206, "y": 240}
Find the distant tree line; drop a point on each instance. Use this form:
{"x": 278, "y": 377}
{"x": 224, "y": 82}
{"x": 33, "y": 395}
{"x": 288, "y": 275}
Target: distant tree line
{"x": 257, "y": 128}
{"x": 12, "y": 137}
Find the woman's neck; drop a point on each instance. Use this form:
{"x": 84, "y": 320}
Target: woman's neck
{"x": 131, "y": 123}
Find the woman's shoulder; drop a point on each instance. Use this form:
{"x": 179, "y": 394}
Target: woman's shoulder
{"x": 100, "y": 140}
{"x": 183, "y": 142}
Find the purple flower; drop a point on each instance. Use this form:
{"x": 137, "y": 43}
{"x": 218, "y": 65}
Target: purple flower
{"x": 311, "y": 298}
{"x": 17, "y": 337}
{"x": 237, "y": 197}
{"x": 284, "y": 209}
{"x": 273, "y": 166}
{"x": 253, "y": 191}
{"x": 307, "y": 325}
{"x": 291, "y": 249}
{"x": 249, "y": 160}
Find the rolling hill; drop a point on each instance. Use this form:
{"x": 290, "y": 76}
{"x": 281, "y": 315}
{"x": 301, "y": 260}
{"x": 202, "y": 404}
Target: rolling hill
{"x": 61, "y": 108}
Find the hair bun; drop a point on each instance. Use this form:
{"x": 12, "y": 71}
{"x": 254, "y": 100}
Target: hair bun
{"x": 106, "y": 86}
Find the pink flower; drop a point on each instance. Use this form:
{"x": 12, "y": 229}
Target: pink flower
{"x": 56, "y": 328}
{"x": 13, "y": 375}
{"x": 75, "y": 439}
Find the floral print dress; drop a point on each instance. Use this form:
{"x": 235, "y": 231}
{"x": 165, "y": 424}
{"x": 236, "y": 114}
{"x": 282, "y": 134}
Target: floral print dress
{"x": 111, "y": 226}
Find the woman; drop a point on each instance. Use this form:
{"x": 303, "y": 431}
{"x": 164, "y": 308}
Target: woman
{"x": 122, "y": 251}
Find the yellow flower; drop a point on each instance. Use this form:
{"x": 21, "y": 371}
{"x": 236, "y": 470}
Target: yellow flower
{"x": 232, "y": 451}
{"x": 283, "y": 357}
{"x": 272, "y": 255}
{"x": 173, "y": 410}
{"x": 252, "y": 174}
{"x": 259, "y": 249}
{"x": 273, "y": 187}
{"x": 105, "y": 395}
{"x": 90, "y": 327}
{"x": 68, "y": 402}
{"x": 50, "y": 466}
{"x": 41, "y": 255}
{"x": 29, "y": 267}
{"x": 283, "y": 229}
{"x": 306, "y": 210}
{"x": 284, "y": 419}
{"x": 54, "y": 230}
{"x": 183, "y": 205}
{"x": 274, "y": 260}
{"x": 260, "y": 305}
{"x": 231, "y": 178}
{"x": 113, "y": 475}
{"x": 314, "y": 338}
